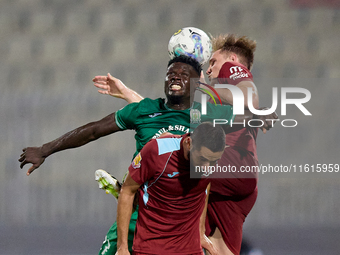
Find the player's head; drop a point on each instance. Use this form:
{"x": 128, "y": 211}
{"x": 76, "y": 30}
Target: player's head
{"x": 206, "y": 143}
{"x": 230, "y": 47}
{"x": 187, "y": 60}
{"x": 180, "y": 71}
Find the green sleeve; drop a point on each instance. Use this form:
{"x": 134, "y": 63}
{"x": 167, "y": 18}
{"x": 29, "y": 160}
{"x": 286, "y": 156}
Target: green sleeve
{"x": 127, "y": 116}
{"x": 220, "y": 112}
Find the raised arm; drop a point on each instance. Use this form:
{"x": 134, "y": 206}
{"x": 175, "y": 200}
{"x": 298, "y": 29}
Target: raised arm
{"x": 227, "y": 97}
{"x": 124, "y": 211}
{"x": 109, "y": 85}
{"x": 75, "y": 138}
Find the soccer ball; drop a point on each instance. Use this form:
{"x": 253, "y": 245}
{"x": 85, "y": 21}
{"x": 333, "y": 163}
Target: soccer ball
{"x": 192, "y": 42}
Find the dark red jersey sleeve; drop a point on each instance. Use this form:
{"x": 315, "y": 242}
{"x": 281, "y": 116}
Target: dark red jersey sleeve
{"x": 142, "y": 166}
{"x": 233, "y": 73}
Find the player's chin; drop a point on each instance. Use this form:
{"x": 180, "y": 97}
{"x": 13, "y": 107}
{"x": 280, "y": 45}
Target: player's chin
{"x": 176, "y": 92}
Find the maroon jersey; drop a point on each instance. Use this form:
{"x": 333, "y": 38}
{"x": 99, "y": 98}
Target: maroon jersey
{"x": 232, "y": 198}
{"x": 233, "y": 73}
{"x": 170, "y": 203}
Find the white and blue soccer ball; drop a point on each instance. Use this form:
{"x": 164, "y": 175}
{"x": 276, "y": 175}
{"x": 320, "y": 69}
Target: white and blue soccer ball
{"x": 192, "y": 42}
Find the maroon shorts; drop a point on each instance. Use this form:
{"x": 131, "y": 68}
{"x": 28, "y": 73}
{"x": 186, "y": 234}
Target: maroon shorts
{"x": 231, "y": 198}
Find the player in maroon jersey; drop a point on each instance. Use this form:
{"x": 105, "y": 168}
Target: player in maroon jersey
{"x": 171, "y": 203}
{"x": 232, "y": 198}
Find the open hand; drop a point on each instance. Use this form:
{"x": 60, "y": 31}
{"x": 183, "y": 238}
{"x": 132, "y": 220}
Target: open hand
{"x": 31, "y": 155}
{"x": 268, "y": 120}
{"x": 109, "y": 85}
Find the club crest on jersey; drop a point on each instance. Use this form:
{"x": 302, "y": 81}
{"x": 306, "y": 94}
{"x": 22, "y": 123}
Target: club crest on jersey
{"x": 136, "y": 161}
{"x": 195, "y": 116}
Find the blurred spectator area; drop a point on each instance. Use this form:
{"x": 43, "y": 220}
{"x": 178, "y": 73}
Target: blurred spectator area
{"x": 51, "y": 49}
{"x": 58, "y": 43}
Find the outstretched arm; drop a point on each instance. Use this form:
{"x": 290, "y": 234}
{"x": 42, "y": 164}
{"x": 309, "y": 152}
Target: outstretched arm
{"x": 124, "y": 211}
{"x": 227, "y": 97}
{"x": 75, "y": 138}
{"x": 109, "y": 85}
{"x": 205, "y": 242}
{"x": 265, "y": 121}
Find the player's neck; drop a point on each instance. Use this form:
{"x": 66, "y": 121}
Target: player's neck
{"x": 178, "y": 104}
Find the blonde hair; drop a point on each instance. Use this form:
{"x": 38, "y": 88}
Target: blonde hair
{"x": 242, "y": 46}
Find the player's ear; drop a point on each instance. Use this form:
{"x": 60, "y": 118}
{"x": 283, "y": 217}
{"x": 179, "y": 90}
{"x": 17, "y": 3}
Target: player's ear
{"x": 202, "y": 78}
{"x": 197, "y": 84}
{"x": 187, "y": 143}
{"x": 233, "y": 57}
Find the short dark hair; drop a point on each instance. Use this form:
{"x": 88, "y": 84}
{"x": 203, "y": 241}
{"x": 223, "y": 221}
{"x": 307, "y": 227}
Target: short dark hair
{"x": 208, "y": 136}
{"x": 187, "y": 60}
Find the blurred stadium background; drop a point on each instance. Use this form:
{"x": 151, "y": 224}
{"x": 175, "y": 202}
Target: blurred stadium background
{"x": 50, "y": 51}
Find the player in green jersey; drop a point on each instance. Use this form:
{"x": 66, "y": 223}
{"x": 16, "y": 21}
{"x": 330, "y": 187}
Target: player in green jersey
{"x": 151, "y": 118}
{"x": 179, "y": 100}
{"x": 114, "y": 87}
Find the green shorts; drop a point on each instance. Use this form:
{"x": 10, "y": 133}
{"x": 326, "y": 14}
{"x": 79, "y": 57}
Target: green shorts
{"x": 109, "y": 246}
